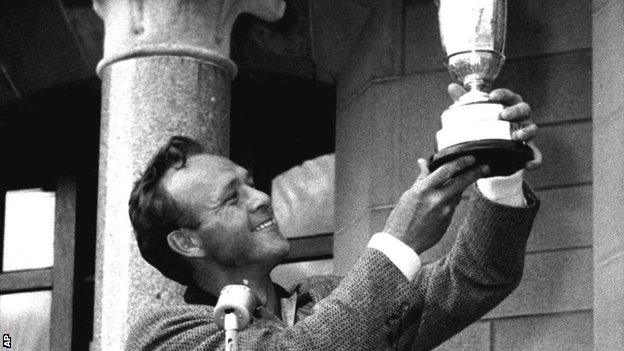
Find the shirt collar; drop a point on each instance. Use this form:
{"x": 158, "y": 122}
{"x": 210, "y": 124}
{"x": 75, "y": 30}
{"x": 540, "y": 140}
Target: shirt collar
{"x": 198, "y": 296}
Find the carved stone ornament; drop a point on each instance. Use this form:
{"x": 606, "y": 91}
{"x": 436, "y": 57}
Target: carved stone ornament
{"x": 190, "y": 28}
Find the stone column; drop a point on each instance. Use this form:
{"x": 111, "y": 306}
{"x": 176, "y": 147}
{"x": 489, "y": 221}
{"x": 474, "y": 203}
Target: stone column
{"x": 608, "y": 173}
{"x": 166, "y": 71}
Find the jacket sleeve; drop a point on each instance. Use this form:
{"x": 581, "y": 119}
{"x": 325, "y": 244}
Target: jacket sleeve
{"x": 362, "y": 313}
{"x": 483, "y": 267}
{"x": 375, "y": 305}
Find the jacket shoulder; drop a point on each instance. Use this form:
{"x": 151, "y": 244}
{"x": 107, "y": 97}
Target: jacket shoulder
{"x": 172, "y": 328}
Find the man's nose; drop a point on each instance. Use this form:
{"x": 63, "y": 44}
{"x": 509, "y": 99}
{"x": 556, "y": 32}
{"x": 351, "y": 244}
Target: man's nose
{"x": 258, "y": 200}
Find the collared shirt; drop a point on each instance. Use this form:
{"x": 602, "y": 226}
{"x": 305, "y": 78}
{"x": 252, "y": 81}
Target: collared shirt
{"x": 293, "y": 307}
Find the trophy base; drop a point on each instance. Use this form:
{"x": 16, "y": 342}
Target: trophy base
{"x": 504, "y": 157}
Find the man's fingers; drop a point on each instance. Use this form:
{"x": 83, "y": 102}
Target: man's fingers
{"x": 527, "y": 133}
{"x": 447, "y": 171}
{"x": 463, "y": 181}
{"x": 505, "y": 96}
{"x": 456, "y": 91}
{"x": 455, "y": 200}
{"x": 517, "y": 112}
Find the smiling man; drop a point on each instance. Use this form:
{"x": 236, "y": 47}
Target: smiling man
{"x": 199, "y": 220}
{"x": 235, "y": 237}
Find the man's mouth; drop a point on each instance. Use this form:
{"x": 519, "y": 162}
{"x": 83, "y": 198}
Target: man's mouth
{"x": 264, "y": 225}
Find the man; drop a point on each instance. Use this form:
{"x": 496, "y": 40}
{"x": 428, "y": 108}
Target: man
{"x": 199, "y": 220}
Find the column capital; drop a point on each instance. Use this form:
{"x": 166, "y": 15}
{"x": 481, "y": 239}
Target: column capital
{"x": 191, "y": 28}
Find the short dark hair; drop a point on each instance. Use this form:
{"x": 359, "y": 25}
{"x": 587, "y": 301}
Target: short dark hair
{"x": 154, "y": 213}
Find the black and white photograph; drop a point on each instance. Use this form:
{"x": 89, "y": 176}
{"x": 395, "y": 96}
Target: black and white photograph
{"x": 312, "y": 175}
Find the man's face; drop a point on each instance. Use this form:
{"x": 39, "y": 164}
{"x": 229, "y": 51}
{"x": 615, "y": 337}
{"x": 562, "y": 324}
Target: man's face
{"x": 237, "y": 227}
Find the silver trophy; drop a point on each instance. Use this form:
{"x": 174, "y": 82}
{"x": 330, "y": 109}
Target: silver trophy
{"x": 473, "y": 36}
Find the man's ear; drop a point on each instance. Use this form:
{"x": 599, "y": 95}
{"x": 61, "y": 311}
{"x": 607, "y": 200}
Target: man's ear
{"x": 185, "y": 243}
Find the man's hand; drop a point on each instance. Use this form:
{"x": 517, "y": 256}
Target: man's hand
{"x": 424, "y": 212}
{"x": 517, "y": 111}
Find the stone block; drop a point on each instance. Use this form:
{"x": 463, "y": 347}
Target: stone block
{"x": 559, "y": 281}
{"x": 608, "y": 43}
{"x": 385, "y": 126}
{"x": 608, "y": 149}
{"x": 349, "y": 243}
{"x": 558, "y": 87}
{"x": 336, "y": 28}
{"x": 423, "y": 48}
{"x": 378, "y": 52}
{"x": 474, "y": 337}
{"x": 564, "y": 219}
{"x": 538, "y": 27}
{"x": 569, "y": 332}
{"x": 567, "y": 156}
{"x": 608, "y": 306}
{"x": 291, "y": 273}
{"x": 353, "y": 161}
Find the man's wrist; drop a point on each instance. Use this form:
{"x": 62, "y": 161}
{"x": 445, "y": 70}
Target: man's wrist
{"x": 504, "y": 190}
{"x": 403, "y": 257}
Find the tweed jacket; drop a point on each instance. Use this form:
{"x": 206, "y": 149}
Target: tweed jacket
{"x": 374, "y": 306}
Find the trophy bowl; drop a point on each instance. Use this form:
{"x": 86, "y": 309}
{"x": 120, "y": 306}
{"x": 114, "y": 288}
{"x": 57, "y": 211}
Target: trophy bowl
{"x": 473, "y": 36}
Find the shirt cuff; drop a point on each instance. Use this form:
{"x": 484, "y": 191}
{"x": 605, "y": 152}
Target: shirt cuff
{"x": 504, "y": 190}
{"x": 406, "y": 259}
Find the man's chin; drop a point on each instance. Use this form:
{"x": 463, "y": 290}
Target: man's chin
{"x": 286, "y": 248}
{"x": 275, "y": 242}
{"x": 281, "y": 250}
{"x": 275, "y": 235}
